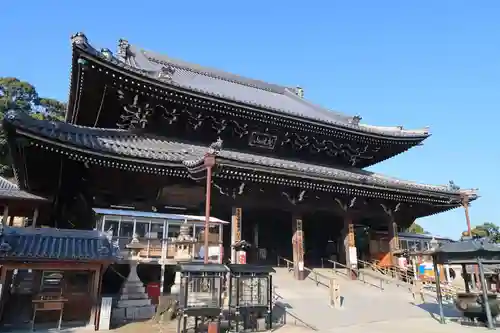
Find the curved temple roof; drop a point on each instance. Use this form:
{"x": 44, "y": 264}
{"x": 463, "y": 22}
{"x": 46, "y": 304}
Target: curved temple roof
{"x": 220, "y": 84}
{"x": 150, "y": 149}
{"x": 9, "y": 190}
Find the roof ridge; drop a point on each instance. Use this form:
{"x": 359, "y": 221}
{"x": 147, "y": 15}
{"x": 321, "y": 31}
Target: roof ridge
{"x": 162, "y": 59}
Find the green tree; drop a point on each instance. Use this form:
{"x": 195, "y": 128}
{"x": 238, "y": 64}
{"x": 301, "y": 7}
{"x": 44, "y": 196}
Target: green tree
{"x": 20, "y": 95}
{"x": 488, "y": 229}
{"x": 416, "y": 228}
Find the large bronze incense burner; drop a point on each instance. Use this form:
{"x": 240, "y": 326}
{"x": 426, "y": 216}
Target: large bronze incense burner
{"x": 471, "y": 304}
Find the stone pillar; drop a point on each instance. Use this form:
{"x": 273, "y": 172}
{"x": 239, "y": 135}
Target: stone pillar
{"x": 349, "y": 241}
{"x": 235, "y": 231}
{"x": 298, "y": 248}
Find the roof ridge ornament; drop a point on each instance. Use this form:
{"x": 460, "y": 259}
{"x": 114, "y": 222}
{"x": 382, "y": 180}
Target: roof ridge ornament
{"x": 166, "y": 73}
{"x": 107, "y": 54}
{"x": 215, "y": 147}
{"x": 123, "y": 49}
{"x": 452, "y": 186}
{"x": 299, "y": 91}
{"x": 355, "y": 120}
{"x": 80, "y": 39}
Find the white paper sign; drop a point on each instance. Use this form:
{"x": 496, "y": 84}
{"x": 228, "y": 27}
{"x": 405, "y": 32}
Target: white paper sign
{"x": 105, "y": 316}
{"x": 353, "y": 256}
{"x": 301, "y": 265}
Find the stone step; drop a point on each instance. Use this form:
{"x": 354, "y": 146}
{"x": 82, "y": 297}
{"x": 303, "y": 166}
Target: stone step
{"x": 131, "y": 296}
{"x": 129, "y": 289}
{"x": 120, "y": 315}
{"x": 133, "y": 303}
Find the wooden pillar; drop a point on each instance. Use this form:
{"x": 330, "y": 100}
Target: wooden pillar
{"x": 298, "y": 248}
{"x": 392, "y": 230}
{"x": 94, "y": 314}
{"x": 465, "y": 204}
{"x": 235, "y": 231}
{"x": 35, "y": 217}
{"x": 3, "y": 289}
{"x": 5, "y": 215}
{"x": 393, "y": 238}
{"x": 351, "y": 255}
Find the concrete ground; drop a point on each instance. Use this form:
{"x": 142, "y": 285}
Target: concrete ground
{"x": 417, "y": 325}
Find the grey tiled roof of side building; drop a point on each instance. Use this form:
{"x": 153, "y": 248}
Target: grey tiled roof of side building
{"x": 61, "y": 244}
{"x": 10, "y": 190}
{"x": 124, "y": 143}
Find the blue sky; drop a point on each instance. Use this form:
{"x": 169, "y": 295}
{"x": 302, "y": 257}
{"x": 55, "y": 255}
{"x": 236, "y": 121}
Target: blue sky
{"x": 411, "y": 63}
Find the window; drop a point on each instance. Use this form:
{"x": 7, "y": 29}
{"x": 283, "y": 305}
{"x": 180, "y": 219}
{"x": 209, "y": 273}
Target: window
{"x": 77, "y": 282}
{"x": 142, "y": 227}
{"x": 156, "y": 231}
{"x": 51, "y": 282}
{"x": 112, "y": 223}
{"x": 126, "y": 228}
{"x": 174, "y": 230}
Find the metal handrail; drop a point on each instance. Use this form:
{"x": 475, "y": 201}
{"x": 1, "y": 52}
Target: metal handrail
{"x": 277, "y": 296}
{"x": 396, "y": 272}
{"x": 290, "y": 266}
{"x": 360, "y": 275}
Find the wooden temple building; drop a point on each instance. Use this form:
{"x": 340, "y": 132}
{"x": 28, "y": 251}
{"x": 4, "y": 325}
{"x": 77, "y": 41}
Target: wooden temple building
{"x": 47, "y": 276}
{"x": 143, "y": 131}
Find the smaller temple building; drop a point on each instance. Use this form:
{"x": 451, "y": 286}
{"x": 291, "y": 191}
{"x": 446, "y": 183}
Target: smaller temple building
{"x": 51, "y": 277}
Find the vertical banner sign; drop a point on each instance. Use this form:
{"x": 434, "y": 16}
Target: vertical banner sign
{"x": 350, "y": 237}
{"x": 300, "y": 245}
{"x": 237, "y": 225}
{"x": 235, "y": 231}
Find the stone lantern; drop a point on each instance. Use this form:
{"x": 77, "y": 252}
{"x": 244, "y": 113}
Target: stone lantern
{"x": 134, "y": 303}
{"x": 184, "y": 245}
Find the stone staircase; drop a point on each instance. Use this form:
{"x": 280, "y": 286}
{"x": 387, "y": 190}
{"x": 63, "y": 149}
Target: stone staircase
{"x": 361, "y": 303}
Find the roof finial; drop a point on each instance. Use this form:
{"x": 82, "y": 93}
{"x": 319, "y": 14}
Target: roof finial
{"x": 79, "y": 39}
{"x": 215, "y": 147}
{"x": 122, "y": 51}
{"x": 299, "y": 91}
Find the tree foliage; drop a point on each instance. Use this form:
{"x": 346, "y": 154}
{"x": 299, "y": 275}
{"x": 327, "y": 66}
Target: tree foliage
{"x": 485, "y": 230}
{"x": 20, "y": 95}
{"x": 416, "y": 228}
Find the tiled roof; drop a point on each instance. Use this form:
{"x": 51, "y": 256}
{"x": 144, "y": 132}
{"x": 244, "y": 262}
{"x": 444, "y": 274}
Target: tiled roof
{"x": 232, "y": 87}
{"x": 10, "y": 190}
{"x": 127, "y": 144}
{"x": 48, "y": 244}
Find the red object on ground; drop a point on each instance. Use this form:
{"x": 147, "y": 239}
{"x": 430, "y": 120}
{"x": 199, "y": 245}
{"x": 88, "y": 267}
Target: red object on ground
{"x": 242, "y": 257}
{"x": 153, "y": 291}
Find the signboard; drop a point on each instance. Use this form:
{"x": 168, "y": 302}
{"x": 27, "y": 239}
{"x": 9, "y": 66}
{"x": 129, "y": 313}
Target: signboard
{"x": 353, "y": 256}
{"x": 105, "y": 314}
{"x": 235, "y": 231}
{"x": 300, "y": 243}
{"x": 237, "y": 225}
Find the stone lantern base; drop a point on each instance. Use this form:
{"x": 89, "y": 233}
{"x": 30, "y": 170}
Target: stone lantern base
{"x": 134, "y": 303}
